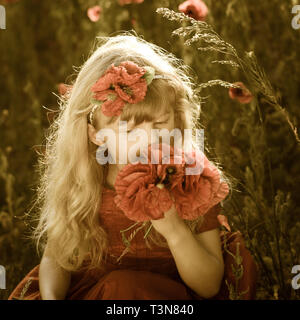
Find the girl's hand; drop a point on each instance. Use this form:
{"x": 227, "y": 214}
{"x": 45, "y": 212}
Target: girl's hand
{"x": 170, "y": 225}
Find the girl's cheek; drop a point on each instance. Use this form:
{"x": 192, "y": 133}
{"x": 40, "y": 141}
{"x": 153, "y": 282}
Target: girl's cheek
{"x": 112, "y": 147}
{"x": 120, "y": 151}
{"x": 133, "y": 151}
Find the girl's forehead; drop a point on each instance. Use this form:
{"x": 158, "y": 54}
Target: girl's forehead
{"x": 106, "y": 121}
{"x": 152, "y": 118}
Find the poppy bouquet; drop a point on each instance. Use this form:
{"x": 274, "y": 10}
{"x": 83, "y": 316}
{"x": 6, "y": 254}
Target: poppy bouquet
{"x": 144, "y": 191}
{"x": 167, "y": 176}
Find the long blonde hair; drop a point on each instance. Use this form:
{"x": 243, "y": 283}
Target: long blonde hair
{"x": 70, "y": 188}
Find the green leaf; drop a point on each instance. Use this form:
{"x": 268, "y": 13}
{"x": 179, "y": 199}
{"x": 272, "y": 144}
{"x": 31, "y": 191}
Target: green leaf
{"x": 95, "y": 101}
{"x": 149, "y": 74}
{"x": 112, "y": 96}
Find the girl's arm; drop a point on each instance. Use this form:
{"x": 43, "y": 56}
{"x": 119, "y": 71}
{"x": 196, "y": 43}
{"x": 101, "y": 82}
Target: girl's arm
{"x": 54, "y": 281}
{"x": 199, "y": 260}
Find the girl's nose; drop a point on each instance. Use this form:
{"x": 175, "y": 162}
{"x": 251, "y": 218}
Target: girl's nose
{"x": 151, "y": 135}
{"x": 145, "y": 139}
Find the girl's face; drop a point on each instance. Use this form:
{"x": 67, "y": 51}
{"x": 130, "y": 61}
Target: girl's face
{"x": 126, "y": 138}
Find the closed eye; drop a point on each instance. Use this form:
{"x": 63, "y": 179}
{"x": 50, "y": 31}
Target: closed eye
{"x": 162, "y": 122}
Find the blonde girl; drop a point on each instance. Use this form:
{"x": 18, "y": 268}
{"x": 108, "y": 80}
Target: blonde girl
{"x": 78, "y": 228}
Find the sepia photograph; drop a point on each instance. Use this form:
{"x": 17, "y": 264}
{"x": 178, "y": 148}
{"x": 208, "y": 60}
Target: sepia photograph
{"x": 149, "y": 150}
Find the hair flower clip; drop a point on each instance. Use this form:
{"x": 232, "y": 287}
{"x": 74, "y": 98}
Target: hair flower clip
{"x": 126, "y": 83}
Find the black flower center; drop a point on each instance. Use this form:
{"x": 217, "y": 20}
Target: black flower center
{"x": 171, "y": 170}
{"x": 126, "y": 89}
{"x": 239, "y": 92}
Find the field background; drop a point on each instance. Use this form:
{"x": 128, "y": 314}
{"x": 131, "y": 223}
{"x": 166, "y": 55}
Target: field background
{"x": 256, "y": 143}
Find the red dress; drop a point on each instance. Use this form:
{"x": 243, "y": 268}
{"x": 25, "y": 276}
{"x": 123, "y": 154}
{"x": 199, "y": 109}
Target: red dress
{"x": 144, "y": 273}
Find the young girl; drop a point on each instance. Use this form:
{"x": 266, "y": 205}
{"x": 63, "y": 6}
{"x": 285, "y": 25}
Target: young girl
{"x": 80, "y": 224}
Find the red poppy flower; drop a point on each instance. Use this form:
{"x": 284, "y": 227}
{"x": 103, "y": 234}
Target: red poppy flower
{"x": 195, "y": 9}
{"x": 199, "y": 192}
{"x": 94, "y": 13}
{"x": 120, "y": 85}
{"x": 145, "y": 190}
{"x": 137, "y": 194}
{"x": 242, "y": 95}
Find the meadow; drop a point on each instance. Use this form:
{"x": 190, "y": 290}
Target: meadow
{"x": 244, "y": 56}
